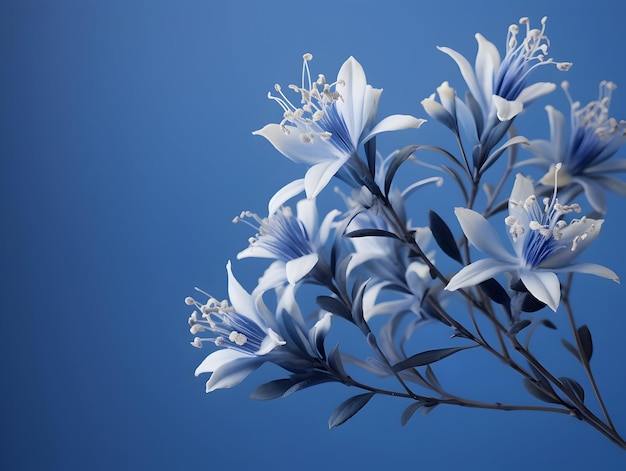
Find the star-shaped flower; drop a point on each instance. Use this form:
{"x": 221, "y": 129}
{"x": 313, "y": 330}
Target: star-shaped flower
{"x": 543, "y": 242}
{"x": 327, "y": 127}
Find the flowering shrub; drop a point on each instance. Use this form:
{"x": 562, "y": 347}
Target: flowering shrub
{"x": 375, "y": 270}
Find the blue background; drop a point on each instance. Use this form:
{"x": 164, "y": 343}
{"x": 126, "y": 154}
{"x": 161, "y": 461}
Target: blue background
{"x": 126, "y": 149}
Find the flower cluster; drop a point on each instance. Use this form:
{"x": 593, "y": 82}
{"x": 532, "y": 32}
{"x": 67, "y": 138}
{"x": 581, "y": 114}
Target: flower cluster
{"x": 370, "y": 269}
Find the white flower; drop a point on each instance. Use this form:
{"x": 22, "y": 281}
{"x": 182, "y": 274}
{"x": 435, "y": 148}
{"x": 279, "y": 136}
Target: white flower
{"x": 588, "y": 156}
{"x": 501, "y": 86}
{"x": 241, "y": 328}
{"x": 544, "y": 244}
{"x": 331, "y": 122}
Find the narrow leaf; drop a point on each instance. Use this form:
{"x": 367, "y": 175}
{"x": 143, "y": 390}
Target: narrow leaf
{"x": 574, "y": 386}
{"x": 534, "y": 388}
{"x": 548, "y": 323}
{"x": 443, "y": 236}
{"x": 370, "y": 154}
{"x": 518, "y": 326}
{"x": 585, "y": 339}
{"x": 348, "y": 408}
{"x": 371, "y": 233}
{"x": 334, "y": 306}
{"x": 336, "y": 363}
{"x": 495, "y": 292}
{"x": 409, "y": 411}
{"x": 570, "y": 348}
{"x": 428, "y": 357}
{"x": 430, "y": 376}
{"x": 398, "y": 160}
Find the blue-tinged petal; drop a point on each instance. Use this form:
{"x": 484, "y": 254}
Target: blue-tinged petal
{"x": 487, "y": 64}
{"x": 612, "y": 184}
{"x": 575, "y": 237}
{"x": 544, "y": 151}
{"x": 255, "y": 251}
{"x": 270, "y": 342}
{"x": 241, "y": 299}
{"x": 396, "y": 122}
{"x": 557, "y": 133}
{"x": 233, "y": 373}
{"x": 307, "y": 214}
{"x": 535, "y": 91}
{"x": 436, "y": 111}
{"x": 285, "y": 194}
{"x": 318, "y": 332}
{"x": 594, "y": 192}
{"x": 507, "y": 110}
{"x": 482, "y": 235}
{"x": 468, "y": 74}
{"x": 590, "y": 269}
{"x": 318, "y": 176}
{"x": 467, "y": 121}
{"x": 351, "y": 84}
{"x": 219, "y": 358}
{"x": 608, "y": 166}
{"x": 478, "y": 272}
{"x": 273, "y": 277}
{"x": 291, "y": 145}
{"x": 543, "y": 285}
{"x": 298, "y": 268}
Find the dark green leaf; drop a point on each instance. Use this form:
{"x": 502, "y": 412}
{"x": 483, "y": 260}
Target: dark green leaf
{"x": 348, "y": 408}
{"x": 334, "y": 306}
{"x": 585, "y": 339}
{"x": 443, "y": 236}
{"x": 398, "y": 160}
{"x": 371, "y": 233}
{"x": 574, "y": 386}
{"x": 428, "y": 357}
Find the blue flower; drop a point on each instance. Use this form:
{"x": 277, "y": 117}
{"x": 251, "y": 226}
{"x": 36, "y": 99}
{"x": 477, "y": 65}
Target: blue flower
{"x": 499, "y": 89}
{"x": 329, "y": 124}
{"x": 293, "y": 241}
{"x": 587, "y": 157}
{"x": 543, "y": 242}
{"x": 242, "y": 328}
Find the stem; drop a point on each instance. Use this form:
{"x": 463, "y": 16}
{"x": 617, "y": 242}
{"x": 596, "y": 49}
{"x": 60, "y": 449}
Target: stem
{"x": 581, "y": 355}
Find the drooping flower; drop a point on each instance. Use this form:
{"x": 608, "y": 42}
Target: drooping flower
{"x": 543, "y": 242}
{"x": 588, "y": 156}
{"x": 240, "y": 328}
{"x": 499, "y": 90}
{"x": 329, "y": 124}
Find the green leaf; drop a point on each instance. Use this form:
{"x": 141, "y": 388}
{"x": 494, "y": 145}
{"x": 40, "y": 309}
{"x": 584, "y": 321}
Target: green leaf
{"x": 348, "y": 408}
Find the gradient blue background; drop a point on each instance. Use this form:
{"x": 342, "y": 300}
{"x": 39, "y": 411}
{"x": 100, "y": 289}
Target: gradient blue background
{"x": 126, "y": 148}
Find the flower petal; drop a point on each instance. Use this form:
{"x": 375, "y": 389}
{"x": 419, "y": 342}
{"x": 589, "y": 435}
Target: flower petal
{"x": 482, "y": 235}
{"x": 396, "y": 122}
{"x": 468, "y": 74}
{"x": 590, "y": 269}
{"x": 318, "y": 176}
{"x": 543, "y": 285}
{"x": 507, "y": 110}
{"x": 291, "y": 146}
{"x": 478, "y": 272}
{"x": 298, "y": 268}
{"x": 534, "y": 91}
{"x": 487, "y": 64}
{"x": 352, "y": 85}
{"x": 233, "y": 373}
{"x": 285, "y": 194}
{"x": 219, "y": 358}
{"x": 240, "y": 299}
